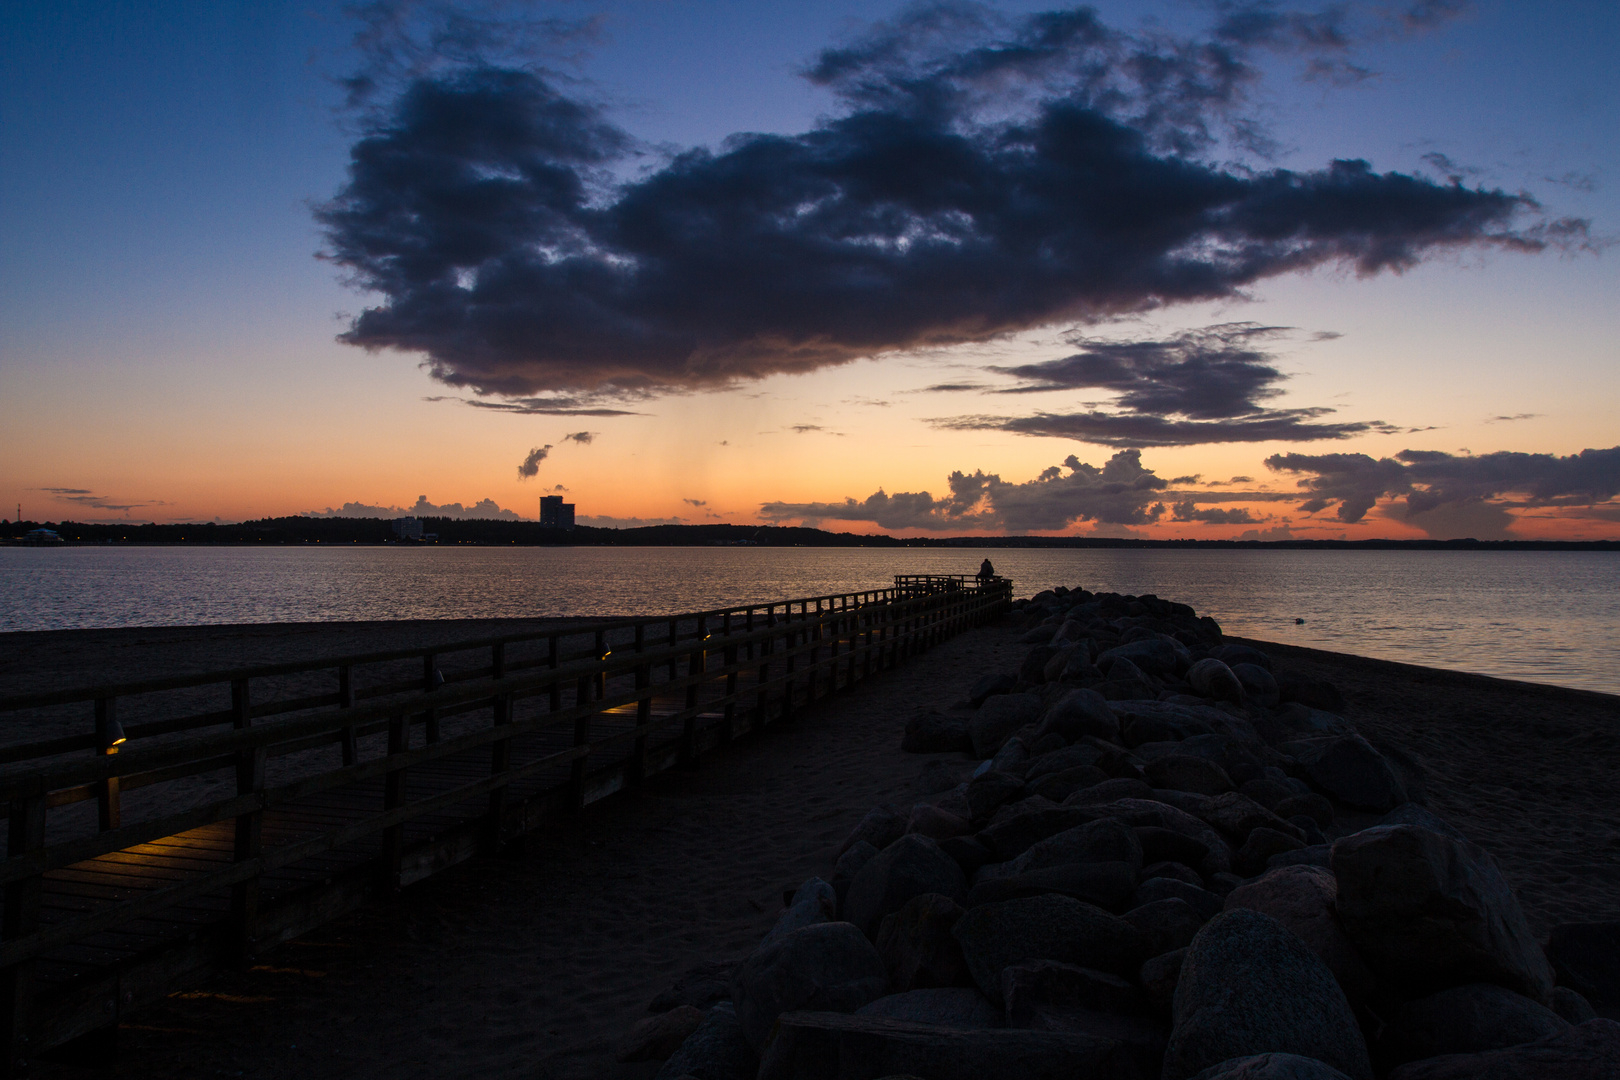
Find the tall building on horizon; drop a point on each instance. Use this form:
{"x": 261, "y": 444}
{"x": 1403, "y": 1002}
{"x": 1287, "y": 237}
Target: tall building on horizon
{"x": 556, "y": 514}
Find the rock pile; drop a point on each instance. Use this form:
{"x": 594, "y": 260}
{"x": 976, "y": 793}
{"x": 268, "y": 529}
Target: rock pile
{"x": 1172, "y": 859}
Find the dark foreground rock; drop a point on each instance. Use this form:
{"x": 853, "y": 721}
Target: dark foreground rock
{"x": 1465, "y": 1020}
{"x": 826, "y": 966}
{"x": 953, "y": 1007}
{"x": 1587, "y": 956}
{"x": 1589, "y": 1051}
{"x": 1271, "y": 1067}
{"x": 1428, "y": 911}
{"x": 831, "y": 1046}
{"x": 717, "y": 1050}
{"x": 909, "y": 867}
{"x": 996, "y": 936}
{"x": 1249, "y": 986}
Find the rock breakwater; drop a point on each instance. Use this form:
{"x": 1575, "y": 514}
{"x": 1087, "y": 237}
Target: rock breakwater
{"x": 1146, "y": 853}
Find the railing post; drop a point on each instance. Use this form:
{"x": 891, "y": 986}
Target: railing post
{"x": 695, "y": 664}
{"x": 638, "y": 756}
{"x": 432, "y": 679}
{"x": 25, "y": 834}
{"x": 249, "y": 826}
{"x": 351, "y": 750}
{"x": 582, "y": 738}
{"x": 602, "y": 652}
{"x": 109, "y": 801}
{"x": 552, "y": 660}
{"x": 389, "y": 860}
{"x": 731, "y": 680}
{"x": 500, "y": 760}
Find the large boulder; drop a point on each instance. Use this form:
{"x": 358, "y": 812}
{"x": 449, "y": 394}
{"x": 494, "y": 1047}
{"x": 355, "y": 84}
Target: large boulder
{"x": 829, "y": 1046}
{"x": 1249, "y": 986}
{"x": 1047, "y": 984}
{"x": 717, "y": 1050}
{"x": 996, "y": 936}
{"x": 1271, "y": 1067}
{"x": 911, "y": 866}
{"x": 1168, "y": 924}
{"x": 881, "y": 826}
{"x": 829, "y": 966}
{"x": 1428, "y": 911}
{"x": 1211, "y": 678}
{"x": 988, "y": 790}
{"x": 1587, "y": 956}
{"x": 1465, "y": 1020}
{"x": 1302, "y": 898}
{"x": 1079, "y": 713}
{"x": 657, "y": 1037}
{"x": 1185, "y": 772}
{"x": 1105, "y": 884}
{"x": 999, "y": 718}
{"x": 1155, "y": 655}
{"x": 814, "y": 902}
{"x": 1026, "y": 824}
{"x": 953, "y": 1007}
{"x": 1589, "y": 1051}
{"x": 1350, "y": 770}
{"x": 917, "y": 948}
{"x": 1103, "y": 840}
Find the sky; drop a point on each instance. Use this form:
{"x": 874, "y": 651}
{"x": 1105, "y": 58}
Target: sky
{"x": 1163, "y": 269}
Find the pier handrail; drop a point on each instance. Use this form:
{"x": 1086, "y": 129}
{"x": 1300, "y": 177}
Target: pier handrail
{"x": 712, "y": 675}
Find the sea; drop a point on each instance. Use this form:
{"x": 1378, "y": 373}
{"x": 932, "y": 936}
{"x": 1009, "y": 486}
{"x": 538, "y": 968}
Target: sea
{"x": 1541, "y": 616}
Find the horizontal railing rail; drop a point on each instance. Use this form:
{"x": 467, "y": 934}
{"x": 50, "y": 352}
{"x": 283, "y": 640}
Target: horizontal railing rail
{"x": 480, "y": 751}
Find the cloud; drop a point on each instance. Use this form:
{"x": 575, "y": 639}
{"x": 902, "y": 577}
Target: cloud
{"x": 86, "y": 497}
{"x": 805, "y": 429}
{"x": 584, "y": 438}
{"x": 1187, "y": 510}
{"x": 482, "y": 509}
{"x": 1442, "y": 490}
{"x": 1275, "y": 532}
{"x": 531, "y": 464}
{"x": 1121, "y": 492}
{"x": 982, "y": 174}
{"x": 1201, "y": 386}
{"x": 1510, "y": 419}
{"x": 696, "y": 502}
{"x": 1134, "y": 430}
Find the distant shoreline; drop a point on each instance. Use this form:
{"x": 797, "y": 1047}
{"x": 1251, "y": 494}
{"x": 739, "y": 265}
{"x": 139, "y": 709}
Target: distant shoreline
{"x": 486, "y": 532}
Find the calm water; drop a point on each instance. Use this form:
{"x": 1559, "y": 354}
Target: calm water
{"x": 1549, "y": 617}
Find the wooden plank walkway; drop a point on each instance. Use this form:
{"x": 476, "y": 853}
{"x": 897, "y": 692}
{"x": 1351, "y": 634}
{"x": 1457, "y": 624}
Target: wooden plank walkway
{"x": 239, "y": 809}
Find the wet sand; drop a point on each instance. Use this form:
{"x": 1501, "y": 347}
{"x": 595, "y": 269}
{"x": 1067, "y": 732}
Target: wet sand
{"x": 535, "y": 964}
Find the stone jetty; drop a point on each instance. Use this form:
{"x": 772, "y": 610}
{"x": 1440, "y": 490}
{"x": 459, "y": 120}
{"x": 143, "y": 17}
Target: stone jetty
{"x": 1149, "y": 853}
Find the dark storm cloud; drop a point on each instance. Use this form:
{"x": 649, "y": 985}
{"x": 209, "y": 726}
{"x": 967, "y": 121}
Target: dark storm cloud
{"x": 1121, "y": 492}
{"x": 1201, "y": 386}
{"x": 1214, "y": 373}
{"x": 984, "y": 175}
{"x": 1137, "y": 429}
{"x": 1430, "y": 479}
{"x": 531, "y": 464}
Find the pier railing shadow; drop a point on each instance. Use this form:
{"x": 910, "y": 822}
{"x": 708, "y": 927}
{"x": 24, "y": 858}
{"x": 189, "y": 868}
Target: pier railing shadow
{"x": 193, "y": 821}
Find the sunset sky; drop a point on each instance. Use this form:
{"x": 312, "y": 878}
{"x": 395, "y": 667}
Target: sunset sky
{"x": 1177, "y": 268}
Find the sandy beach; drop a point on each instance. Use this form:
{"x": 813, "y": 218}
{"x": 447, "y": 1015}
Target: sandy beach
{"x": 536, "y": 963}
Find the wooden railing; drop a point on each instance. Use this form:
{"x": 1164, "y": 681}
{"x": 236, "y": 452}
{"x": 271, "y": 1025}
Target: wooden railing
{"x": 380, "y": 779}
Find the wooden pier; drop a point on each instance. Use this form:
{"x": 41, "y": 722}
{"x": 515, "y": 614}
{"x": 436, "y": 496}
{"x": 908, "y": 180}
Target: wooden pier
{"x": 194, "y": 821}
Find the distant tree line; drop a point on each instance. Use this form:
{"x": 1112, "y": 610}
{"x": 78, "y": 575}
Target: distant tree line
{"x": 345, "y": 530}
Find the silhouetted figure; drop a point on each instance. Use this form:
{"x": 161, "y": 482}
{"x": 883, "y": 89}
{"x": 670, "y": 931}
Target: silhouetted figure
{"x": 986, "y": 572}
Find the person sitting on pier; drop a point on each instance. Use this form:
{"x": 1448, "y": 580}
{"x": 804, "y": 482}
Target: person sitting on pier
{"x": 986, "y": 572}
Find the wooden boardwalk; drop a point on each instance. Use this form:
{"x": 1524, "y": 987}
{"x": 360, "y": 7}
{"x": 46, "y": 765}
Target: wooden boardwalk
{"x": 192, "y": 822}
